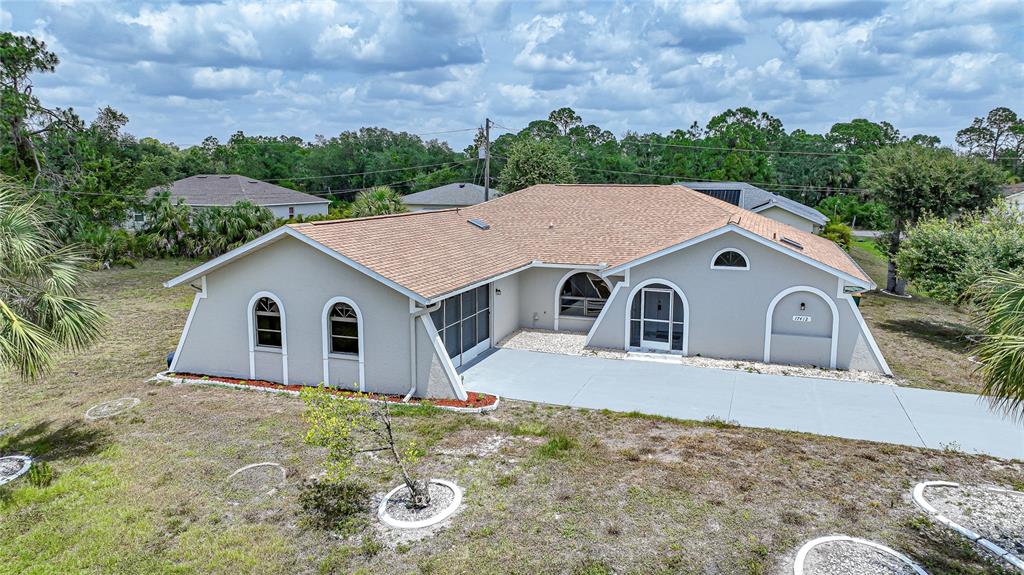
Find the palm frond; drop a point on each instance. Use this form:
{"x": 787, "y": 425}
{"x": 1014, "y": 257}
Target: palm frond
{"x": 999, "y": 298}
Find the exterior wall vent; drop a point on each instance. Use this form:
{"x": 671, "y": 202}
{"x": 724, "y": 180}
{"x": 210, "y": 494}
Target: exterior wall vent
{"x": 480, "y": 224}
{"x": 792, "y": 242}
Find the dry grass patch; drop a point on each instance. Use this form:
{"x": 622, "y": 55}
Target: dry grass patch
{"x": 923, "y": 340}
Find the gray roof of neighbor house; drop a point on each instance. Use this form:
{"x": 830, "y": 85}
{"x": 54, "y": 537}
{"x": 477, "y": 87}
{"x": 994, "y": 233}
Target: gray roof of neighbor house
{"x": 458, "y": 194}
{"x": 225, "y": 190}
{"x": 755, "y": 199}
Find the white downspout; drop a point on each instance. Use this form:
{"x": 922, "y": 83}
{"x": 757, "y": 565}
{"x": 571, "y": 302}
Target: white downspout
{"x": 415, "y": 312}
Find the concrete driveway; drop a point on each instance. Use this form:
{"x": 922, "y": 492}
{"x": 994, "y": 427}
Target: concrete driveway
{"x": 890, "y": 414}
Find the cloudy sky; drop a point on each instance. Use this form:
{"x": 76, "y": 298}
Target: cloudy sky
{"x": 186, "y": 70}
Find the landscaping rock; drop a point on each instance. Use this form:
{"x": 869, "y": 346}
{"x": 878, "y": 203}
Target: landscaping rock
{"x": 852, "y": 558}
{"x": 111, "y": 408}
{"x": 13, "y": 466}
{"x": 995, "y": 514}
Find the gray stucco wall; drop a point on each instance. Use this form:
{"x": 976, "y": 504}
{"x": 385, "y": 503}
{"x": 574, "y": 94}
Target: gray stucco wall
{"x": 728, "y": 309}
{"x": 505, "y": 308}
{"x": 281, "y": 212}
{"x": 789, "y": 218}
{"x": 304, "y": 279}
{"x": 537, "y": 287}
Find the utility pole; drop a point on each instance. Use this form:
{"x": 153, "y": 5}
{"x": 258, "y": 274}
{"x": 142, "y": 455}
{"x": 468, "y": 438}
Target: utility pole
{"x": 487, "y": 159}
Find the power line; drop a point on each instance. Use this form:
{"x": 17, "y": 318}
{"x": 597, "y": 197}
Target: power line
{"x": 749, "y": 149}
{"x": 692, "y": 178}
{"x": 368, "y": 172}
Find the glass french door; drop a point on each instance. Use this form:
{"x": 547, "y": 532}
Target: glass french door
{"x": 464, "y": 323}
{"x": 656, "y": 319}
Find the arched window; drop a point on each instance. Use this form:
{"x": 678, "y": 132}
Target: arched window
{"x": 344, "y": 329}
{"x": 583, "y": 295}
{"x": 729, "y": 259}
{"x": 268, "y": 323}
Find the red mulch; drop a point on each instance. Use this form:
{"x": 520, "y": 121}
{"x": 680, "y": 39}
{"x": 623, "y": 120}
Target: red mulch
{"x": 474, "y": 399}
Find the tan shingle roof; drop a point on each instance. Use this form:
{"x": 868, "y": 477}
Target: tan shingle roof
{"x": 434, "y": 253}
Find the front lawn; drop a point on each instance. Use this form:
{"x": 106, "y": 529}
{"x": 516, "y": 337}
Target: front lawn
{"x": 923, "y": 340}
{"x": 548, "y": 490}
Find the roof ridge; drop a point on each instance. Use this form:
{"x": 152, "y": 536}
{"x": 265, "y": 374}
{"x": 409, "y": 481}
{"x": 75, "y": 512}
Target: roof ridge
{"x": 380, "y": 217}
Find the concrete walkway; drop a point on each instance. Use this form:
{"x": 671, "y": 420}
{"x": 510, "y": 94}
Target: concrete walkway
{"x": 907, "y": 416}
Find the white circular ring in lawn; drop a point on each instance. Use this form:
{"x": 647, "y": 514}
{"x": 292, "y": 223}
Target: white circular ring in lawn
{"x": 268, "y": 464}
{"x": 801, "y": 555}
{"x": 13, "y": 467}
{"x": 447, "y": 511}
{"x": 111, "y": 408}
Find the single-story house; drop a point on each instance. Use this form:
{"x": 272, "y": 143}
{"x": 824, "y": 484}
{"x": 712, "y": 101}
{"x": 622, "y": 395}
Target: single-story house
{"x": 1013, "y": 194}
{"x": 396, "y": 304}
{"x": 458, "y": 195}
{"x": 769, "y": 205}
{"x": 207, "y": 190}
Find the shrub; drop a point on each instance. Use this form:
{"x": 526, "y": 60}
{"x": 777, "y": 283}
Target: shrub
{"x": 333, "y": 505}
{"x": 839, "y": 233}
{"x": 944, "y": 258}
{"x": 40, "y": 474}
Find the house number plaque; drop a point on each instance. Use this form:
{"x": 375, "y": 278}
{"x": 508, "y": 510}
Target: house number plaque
{"x": 802, "y": 318}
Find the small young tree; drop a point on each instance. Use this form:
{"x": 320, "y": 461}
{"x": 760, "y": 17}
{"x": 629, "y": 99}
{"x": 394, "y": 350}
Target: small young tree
{"x": 348, "y": 427}
{"x": 911, "y": 181}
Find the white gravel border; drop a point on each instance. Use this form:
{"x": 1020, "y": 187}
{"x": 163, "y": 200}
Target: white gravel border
{"x": 134, "y": 401}
{"x": 921, "y": 502}
{"x": 801, "y": 555}
{"x": 26, "y": 462}
{"x": 445, "y": 513}
{"x": 162, "y": 376}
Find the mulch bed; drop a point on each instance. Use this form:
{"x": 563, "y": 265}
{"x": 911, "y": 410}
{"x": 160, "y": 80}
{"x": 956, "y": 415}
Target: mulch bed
{"x": 473, "y": 399}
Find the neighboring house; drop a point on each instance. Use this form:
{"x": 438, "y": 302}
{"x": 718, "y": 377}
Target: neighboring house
{"x": 448, "y": 196}
{"x": 1014, "y": 196}
{"x": 395, "y": 304}
{"x": 753, "y": 198}
{"x": 209, "y": 190}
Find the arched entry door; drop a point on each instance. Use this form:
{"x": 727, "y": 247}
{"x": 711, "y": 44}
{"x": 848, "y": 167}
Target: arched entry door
{"x": 657, "y": 319}
{"x": 801, "y": 328}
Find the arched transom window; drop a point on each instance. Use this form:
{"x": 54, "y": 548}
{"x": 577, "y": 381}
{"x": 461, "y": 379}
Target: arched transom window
{"x": 344, "y": 329}
{"x": 583, "y": 295}
{"x": 730, "y": 260}
{"x": 268, "y": 323}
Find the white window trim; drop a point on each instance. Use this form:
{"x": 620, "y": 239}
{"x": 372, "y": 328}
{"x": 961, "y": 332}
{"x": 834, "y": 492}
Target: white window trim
{"x": 328, "y": 355}
{"x": 686, "y": 313}
{"x": 253, "y": 348}
{"x": 558, "y": 295}
{"x": 834, "y": 347}
{"x": 730, "y": 268}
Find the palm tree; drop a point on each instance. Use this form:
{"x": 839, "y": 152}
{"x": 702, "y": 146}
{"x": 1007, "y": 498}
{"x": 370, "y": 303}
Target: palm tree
{"x": 1000, "y": 301}
{"x": 170, "y": 222}
{"x": 377, "y": 201}
{"x": 41, "y": 313}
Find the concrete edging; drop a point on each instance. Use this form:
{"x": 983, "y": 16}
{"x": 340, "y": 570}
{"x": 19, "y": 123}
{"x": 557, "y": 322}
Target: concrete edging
{"x": 26, "y": 463}
{"x": 918, "y": 495}
{"x": 801, "y": 555}
{"x": 445, "y": 513}
{"x": 162, "y": 376}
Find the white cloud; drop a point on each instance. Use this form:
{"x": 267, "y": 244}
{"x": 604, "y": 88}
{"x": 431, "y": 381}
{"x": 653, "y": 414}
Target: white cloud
{"x": 233, "y": 79}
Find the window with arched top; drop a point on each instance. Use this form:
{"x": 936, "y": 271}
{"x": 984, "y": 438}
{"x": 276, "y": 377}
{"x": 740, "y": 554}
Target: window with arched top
{"x": 729, "y": 259}
{"x": 583, "y": 295}
{"x": 267, "y": 316}
{"x": 344, "y": 329}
